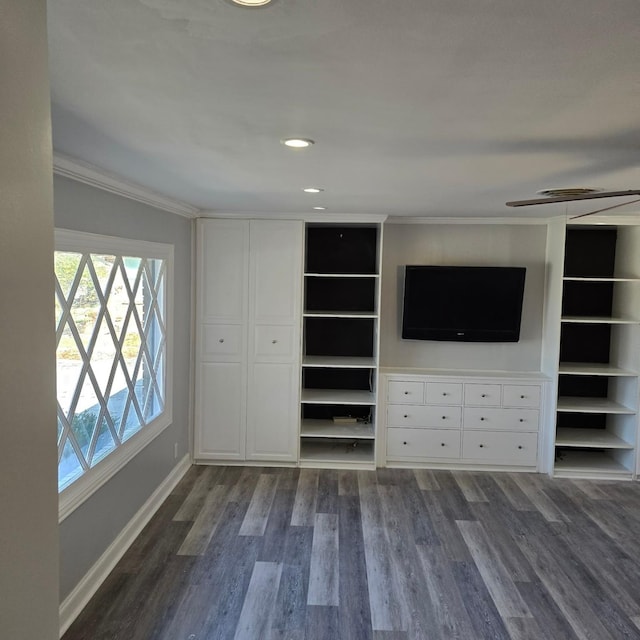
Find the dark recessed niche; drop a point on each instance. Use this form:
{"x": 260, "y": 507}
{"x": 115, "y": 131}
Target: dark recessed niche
{"x": 583, "y": 386}
{"x": 581, "y": 420}
{"x": 584, "y": 342}
{"x": 590, "y": 252}
{"x": 321, "y": 378}
{"x": 341, "y": 249}
{"x": 344, "y": 294}
{"x": 328, "y": 411}
{"x": 339, "y": 337}
{"x": 587, "y": 298}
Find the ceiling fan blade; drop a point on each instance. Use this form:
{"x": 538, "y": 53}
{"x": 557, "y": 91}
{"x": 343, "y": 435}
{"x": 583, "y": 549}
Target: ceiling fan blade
{"x": 615, "y": 206}
{"x": 587, "y": 196}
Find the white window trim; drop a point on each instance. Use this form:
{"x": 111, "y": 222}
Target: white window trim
{"x": 86, "y": 485}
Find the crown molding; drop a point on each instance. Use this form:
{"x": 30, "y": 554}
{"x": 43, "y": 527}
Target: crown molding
{"x": 93, "y": 176}
{"x": 342, "y": 218}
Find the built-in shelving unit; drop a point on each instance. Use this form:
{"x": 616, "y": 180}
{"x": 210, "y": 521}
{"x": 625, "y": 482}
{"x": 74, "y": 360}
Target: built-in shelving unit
{"x": 340, "y": 345}
{"x": 597, "y": 408}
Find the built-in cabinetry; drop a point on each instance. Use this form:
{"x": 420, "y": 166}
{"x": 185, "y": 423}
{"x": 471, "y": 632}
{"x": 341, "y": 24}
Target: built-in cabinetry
{"x": 340, "y": 345}
{"x": 449, "y": 420}
{"x": 248, "y": 339}
{"x": 597, "y": 406}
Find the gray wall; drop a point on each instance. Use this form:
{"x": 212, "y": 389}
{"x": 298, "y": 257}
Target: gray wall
{"x": 463, "y": 244}
{"x": 28, "y": 494}
{"x": 90, "y": 529}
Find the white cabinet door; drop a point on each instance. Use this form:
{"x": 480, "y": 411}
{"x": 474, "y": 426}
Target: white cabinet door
{"x": 220, "y": 411}
{"x": 275, "y": 276}
{"x": 223, "y": 250}
{"x": 272, "y": 412}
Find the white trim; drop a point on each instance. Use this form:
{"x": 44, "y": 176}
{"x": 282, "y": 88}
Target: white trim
{"x": 93, "y": 176}
{"x": 304, "y": 217}
{"x": 90, "y": 481}
{"x": 467, "y": 220}
{"x": 90, "y": 583}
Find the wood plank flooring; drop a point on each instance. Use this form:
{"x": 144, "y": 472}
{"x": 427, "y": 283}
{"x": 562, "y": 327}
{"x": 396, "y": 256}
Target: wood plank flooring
{"x": 245, "y": 553}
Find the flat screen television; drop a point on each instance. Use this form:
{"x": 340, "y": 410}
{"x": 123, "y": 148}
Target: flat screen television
{"x": 464, "y": 304}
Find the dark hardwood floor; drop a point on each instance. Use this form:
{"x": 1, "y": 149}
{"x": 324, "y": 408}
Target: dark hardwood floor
{"x": 288, "y": 554}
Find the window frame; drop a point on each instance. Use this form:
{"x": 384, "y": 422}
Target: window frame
{"x": 72, "y": 496}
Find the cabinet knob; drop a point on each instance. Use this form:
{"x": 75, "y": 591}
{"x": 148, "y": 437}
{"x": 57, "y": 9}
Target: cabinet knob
{"x": 444, "y": 417}
{"x": 521, "y": 419}
{"x": 221, "y": 340}
{"x": 274, "y": 342}
{"x": 444, "y": 393}
{"x": 406, "y": 393}
{"x": 405, "y": 416}
{"x": 404, "y": 442}
{"x": 482, "y": 446}
{"x": 484, "y": 395}
{"x": 481, "y": 419}
{"x": 522, "y": 397}
{"x": 519, "y": 446}
{"x": 442, "y": 444}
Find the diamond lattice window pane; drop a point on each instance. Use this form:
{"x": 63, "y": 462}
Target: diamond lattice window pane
{"x": 105, "y": 443}
{"x": 69, "y": 466}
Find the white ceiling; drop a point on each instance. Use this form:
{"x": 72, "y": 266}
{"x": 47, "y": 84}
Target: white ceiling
{"x": 418, "y": 107}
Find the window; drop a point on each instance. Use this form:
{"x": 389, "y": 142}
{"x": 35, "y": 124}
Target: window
{"x": 112, "y": 353}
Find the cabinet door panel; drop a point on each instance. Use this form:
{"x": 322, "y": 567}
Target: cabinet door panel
{"x": 223, "y": 270}
{"x": 219, "y": 418}
{"x": 274, "y": 343}
{"x": 222, "y": 342}
{"x": 276, "y": 271}
{"x": 272, "y": 420}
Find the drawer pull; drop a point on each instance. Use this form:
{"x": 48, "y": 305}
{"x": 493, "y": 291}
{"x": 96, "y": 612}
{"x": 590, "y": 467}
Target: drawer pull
{"x": 444, "y": 417}
{"x": 519, "y": 446}
{"x": 482, "y": 419}
{"x": 274, "y": 342}
{"x": 444, "y": 393}
{"x": 405, "y": 415}
{"x": 404, "y": 443}
{"x": 442, "y": 444}
{"x": 481, "y": 446}
{"x": 221, "y": 340}
{"x": 484, "y": 395}
{"x": 406, "y": 393}
{"x": 522, "y": 397}
{"x": 521, "y": 419}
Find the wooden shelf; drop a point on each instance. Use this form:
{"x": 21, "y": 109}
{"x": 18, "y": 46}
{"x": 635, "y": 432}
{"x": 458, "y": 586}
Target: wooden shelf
{"x": 343, "y": 452}
{"x": 340, "y": 314}
{"x": 341, "y": 275}
{"x": 339, "y": 362}
{"x": 593, "y": 369}
{"x": 328, "y": 429}
{"x": 591, "y": 405}
{"x": 590, "y": 438}
{"x": 598, "y": 320}
{"x": 338, "y": 396}
{"x": 588, "y": 464}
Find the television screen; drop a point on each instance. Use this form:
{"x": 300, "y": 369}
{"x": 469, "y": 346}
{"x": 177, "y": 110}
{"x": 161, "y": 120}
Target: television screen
{"x": 465, "y": 304}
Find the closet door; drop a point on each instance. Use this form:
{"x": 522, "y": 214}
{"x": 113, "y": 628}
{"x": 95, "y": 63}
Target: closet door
{"x": 221, "y": 366}
{"x": 274, "y": 339}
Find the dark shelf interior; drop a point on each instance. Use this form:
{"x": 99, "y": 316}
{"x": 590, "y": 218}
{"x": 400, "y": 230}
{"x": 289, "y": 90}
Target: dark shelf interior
{"x": 590, "y": 253}
{"x": 327, "y": 378}
{"x": 339, "y": 337}
{"x": 583, "y": 386}
{"x": 341, "y": 249}
{"x": 587, "y": 298}
{"x": 585, "y": 343}
{"x": 328, "y": 411}
{"x": 344, "y": 294}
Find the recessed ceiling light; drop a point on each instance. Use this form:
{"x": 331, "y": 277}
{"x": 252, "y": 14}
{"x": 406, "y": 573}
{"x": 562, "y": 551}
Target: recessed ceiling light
{"x": 312, "y": 190}
{"x": 298, "y": 143}
{"x": 251, "y": 3}
{"x": 320, "y": 208}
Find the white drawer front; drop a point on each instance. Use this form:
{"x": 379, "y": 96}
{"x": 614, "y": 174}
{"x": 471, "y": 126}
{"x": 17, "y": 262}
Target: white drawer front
{"x": 273, "y": 342}
{"x": 407, "y": 392}
{"x": 222, "y": 340}
{"x": 423, "y": 443}
{"x": 500, "y": 447}
{"x": 526, "y": 395}
{"x": 443, "y": 393}
{"x": 504, "y": 419}
{"x": 482, "y": 394}
{"x": 420, "y": 416}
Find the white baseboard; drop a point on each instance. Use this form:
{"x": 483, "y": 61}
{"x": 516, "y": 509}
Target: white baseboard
{"x": 86, "y": 588}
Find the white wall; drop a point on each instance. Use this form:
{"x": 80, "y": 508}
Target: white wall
{"x": 28, "y": 475}
{"x": 468, "y": 244}
{"x": 92, "y": 527}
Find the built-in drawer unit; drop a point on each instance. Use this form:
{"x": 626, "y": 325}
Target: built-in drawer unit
{"x": 463, "y": 421}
